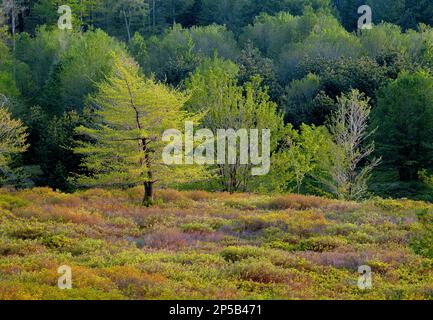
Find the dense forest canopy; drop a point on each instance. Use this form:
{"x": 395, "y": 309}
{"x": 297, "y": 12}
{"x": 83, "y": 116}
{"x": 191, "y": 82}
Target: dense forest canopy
{"x": 300, "y": 67}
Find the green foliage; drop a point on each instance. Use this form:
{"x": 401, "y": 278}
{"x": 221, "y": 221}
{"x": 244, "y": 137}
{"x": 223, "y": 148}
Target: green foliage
{"x": 10, "y": 202}
{"x": 13, "y": 136}
{"x": 301, "y": 162}
{"x": 179, "y": 51}
{"x": 321, "y": 244}
{"x": 303, "y": 50}
{"x": 305, "y": 102}
{"x": 252, "y": 63}
{"x": 422, "y": 240}
{"x": 130, "y": 114}
{"x": 216, "y": 92}
{"x": 404, "y": 116}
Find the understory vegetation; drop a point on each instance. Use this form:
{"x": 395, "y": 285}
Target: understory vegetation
{"x": 199, "y": 245}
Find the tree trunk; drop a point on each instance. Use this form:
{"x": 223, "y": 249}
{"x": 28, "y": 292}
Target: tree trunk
{"x": 148, "y": 194}
{"x": 148, "y": 185}
{"x": 13, "y": 25}
{"x": 127, "y": 26}
{"x": 153, "y": 14}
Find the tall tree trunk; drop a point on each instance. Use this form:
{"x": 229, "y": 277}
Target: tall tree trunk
{"x": 153, "y": 13}
{"x": 128, "y": 31}
{"x": 148, "y": 189}
{"x": 13, "y": 27}
{"x": 14, "y": 45}
{"x": 148, "y": 185}
{"x": 173, "y": 12}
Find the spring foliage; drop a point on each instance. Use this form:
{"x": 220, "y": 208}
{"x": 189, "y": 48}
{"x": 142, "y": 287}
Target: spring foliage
{"x": 129, "y": 115}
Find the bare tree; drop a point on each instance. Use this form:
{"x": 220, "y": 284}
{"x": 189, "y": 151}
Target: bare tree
{"x": 130, "y": 11}
{"x": 351, "y": 170}
{"x": 12, "y": 9}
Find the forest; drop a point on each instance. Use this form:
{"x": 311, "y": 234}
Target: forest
{"x": 301, "y": 60}
{"x": 88, "y": 88}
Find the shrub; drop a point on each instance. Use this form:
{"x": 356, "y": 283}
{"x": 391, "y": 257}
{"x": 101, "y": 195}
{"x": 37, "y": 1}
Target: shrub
{"x": 294, "y": 201}
{"x": 169, "y": 195}
{"x": 234, "y": 254}
{"x": 56, "y": 241}
{"x": 166, "y": 238}
{"x": 10, "y": 202}
{"x": 321, "y": 244}
{"x": 422, "y": 240}
{"x": 26, "y": 231}
{"x": 198, "y": 195}
{"x": 196, "y": 227}
{"x": 62, "y": 214}
{"x": 19, "y": 247}
{"x": 259, "y": 270}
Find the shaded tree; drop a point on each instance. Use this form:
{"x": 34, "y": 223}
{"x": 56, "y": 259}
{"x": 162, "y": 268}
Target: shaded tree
{"x": 404, "y": 115}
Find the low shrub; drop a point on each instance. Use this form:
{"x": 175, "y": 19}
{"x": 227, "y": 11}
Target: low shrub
{"x": 294, "y": 201}
{"x": 321, "y": 244}
{"x": 196, "y": 227}
{"x": 166, "y": 238}
{"x": 422, "y": 239}
{"x": 260, "y": 270}
{"x": 234, "y": 254}
{"x": 11, "y": 202}
{"x": 198, "y": 195}
{"x": 169, "y": 195}
{"x": 56, "y": 241}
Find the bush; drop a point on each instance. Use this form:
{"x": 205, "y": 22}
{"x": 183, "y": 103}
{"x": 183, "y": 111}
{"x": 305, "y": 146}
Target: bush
{"x": 422, "y": 240}
{"x": 56, "y": 241}
{"x": 166, "y": 238}
{"x": 198, "y": 195}
{"x": 10, "y": 202}
{"x": 321, "y": 244}
{"x": 258, "y": 270}
{"x": 196, "y": 227}
{"x": 169, "y": 195}
{"x": 293, "y": 201}
{"x": 234, "y": 254}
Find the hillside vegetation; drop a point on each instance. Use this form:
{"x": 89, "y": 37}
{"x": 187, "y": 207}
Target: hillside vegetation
{"x": 198, "y": 245}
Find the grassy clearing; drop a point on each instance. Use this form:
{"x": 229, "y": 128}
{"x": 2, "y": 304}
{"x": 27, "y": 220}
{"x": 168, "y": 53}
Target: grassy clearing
{"x": 198, "y": 245}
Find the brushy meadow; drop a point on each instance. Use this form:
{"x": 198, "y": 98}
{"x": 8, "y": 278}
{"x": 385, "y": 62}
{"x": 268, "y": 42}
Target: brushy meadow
{"x": 199, "y": 245}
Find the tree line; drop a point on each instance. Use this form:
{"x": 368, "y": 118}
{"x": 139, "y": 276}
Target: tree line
{"x": 350, "y": 111}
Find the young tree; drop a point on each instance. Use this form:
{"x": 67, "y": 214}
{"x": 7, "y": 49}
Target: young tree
{"x": 130, "y": 115}
{"x": 303, "y": 157}
{"x": 13, "y": 134}
{"x": 348, "y": 126}
{"x": 214, "y": 90}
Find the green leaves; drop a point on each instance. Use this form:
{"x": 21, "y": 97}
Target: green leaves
{"x": 130, "y": 114}
{"x": 13, "y": 136}
{"x": 404, "y": 115}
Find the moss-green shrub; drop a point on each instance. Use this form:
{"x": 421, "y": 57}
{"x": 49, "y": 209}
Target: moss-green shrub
{"x": 321, "y": 244}
{"x": 11, "y": 202}
{"x": 422, "y": 240}
{"x": 233, "y": 254}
